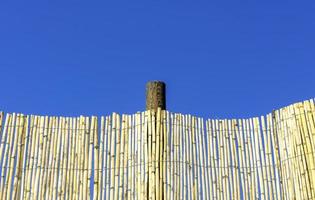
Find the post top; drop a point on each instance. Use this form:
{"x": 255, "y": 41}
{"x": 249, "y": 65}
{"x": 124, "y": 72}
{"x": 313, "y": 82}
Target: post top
{"x": 155, "y": 95}
{"x": 156, "y": 82}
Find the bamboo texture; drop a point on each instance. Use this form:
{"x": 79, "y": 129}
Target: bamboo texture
{"x": 159, "y": 155}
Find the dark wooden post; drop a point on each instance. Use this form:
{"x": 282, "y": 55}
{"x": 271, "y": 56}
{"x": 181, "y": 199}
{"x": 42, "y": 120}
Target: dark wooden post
{"x": 155, "y": 95}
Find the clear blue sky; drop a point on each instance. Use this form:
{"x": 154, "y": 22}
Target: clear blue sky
{"x": 219, "y": 59}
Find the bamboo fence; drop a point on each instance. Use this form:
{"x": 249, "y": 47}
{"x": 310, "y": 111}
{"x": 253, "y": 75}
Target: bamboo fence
{"x": 159, "y": 155}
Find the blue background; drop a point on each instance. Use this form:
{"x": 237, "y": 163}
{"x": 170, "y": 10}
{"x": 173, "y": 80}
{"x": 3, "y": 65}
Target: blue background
{"x": 219, "y": 59}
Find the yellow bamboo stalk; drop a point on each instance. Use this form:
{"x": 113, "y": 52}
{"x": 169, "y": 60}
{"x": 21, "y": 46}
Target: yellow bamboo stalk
{"x": 215, "y": 168}
{"x": 176, "y": 160}
{"x": 161, "y": 150}
{"x": 157, "y": 154}
{"x": 186, "y": 158}
{"x": 43, "y": 158}
{"x": 6, "y": 141}
{"x": 309, "y": 154}
{"x": 102, "y": 160}
{"x": 207, "y": 166}
{"x": 283, "y": 153}
{"x": 296, "y": 186}
{"x": 291, "y": 153}
{"x": 85, "y": 168}
{"x": 217, "y": 149}
{"x": 32, "y": 166}
{"x": 89, "y": 168}
{"x": 109, "y": 157}
{"x": 138, "y": 143}
{"x": 226, "y": 177}
{"x": 222, "y": 175}
{"x": 202, "y": 158}
{"x": 242, "y": 155}
{"x": 121, "y": 158}
{"x": 304, "y": 151}
{"x": 233, "y": 139}
{"x": 117, "y": 160}
{"x": 64, "y": 151}
{"x": 244, "y": 158}
{"x": 70, "y": 163}
{"x": 56, "y": 161}
{"x": 168, "y": 156}
{"x": 165, "y": 153}
{"x": 106, "y": 156}
{"x": 3, "y": 148}
{"x": 95, "y": 146}
{"x": 183, "y": 158}
{"x": 130, "y": 160}
{"x": 22, "y": 161}
{"x": 19, "y": 156}
{"x": 112, "y": 163}
{"x": 250, "y": 159}
{"x": 39, "y": 157}
{"x": 54, "y": 158}
{"x": 81, "y": 158}
{"x": 126, "y": 154}
{"x": 11, "y": 157}
{"x": 269, "y": 152}
{"x": 268, "y": 163}
{"x": 75, "y": 159}
{"x": 211, "y": 177}
{"x": 195, "y": 190}
{"x": 259, "y": 163}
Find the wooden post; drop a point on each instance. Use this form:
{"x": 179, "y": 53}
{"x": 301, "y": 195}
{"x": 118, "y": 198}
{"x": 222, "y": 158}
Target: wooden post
{"x": 155, "y": 95}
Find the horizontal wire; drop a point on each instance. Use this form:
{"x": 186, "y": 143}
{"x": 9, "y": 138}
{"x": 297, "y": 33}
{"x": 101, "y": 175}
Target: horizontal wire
{"x": 162, "y": 161}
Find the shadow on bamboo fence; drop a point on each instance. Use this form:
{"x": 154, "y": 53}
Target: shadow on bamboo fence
{"x": 159, "y": 155}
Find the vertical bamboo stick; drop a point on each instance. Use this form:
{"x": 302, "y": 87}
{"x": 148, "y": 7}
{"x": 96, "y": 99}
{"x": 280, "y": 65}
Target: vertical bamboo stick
{"x": 157, "y": 154}
{"x": 11, "y": 157}
{"x": 135, "y": 157}
{"x": 6, "y": 141}
{"x": 259, "y": 167}
{"x": 165, "y": 154}
{"x": 206, "y": 155}
{"x": 23, "y": 157}
{"x": 106, "y": 164}
{"x": 183, "y": 146}
{"x": 117, "y": 161}
{"x": 32, "y": 167}
{"x": 256, "y": 159}
{"x": 202, "y": 158}
{"x": 19, "y": 156}
{"x": 112, "y": 157}
{"x": 267, "y": 154}
{"x": 235, "y": 171}
{"x": 189, "y": 174}
{"x": 161, "y": 150}
{"x": 126, "y": 154}
{"x": 195, "y": 191}
{"x": 102, "y": 159}
{"x": 89, "y": 168}
{"x": 76, "y": 159}
{"x": 121, "y": 155}
{"x": 69, "y": 164}
{"x": 175, "y": 158}
{"x": 54, "y": 158}
{"x": 43, "y": 158}
{"x": 249, "y": 159}
{"x": 3, "y": 148}
{"x": 81, "y": 157}
{"x": 131, "y": 163}
{"x": 97, "y": 170}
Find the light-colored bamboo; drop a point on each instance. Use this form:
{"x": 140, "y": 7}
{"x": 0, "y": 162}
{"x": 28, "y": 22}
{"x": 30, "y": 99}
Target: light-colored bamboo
{"x": 159, "y": 155}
